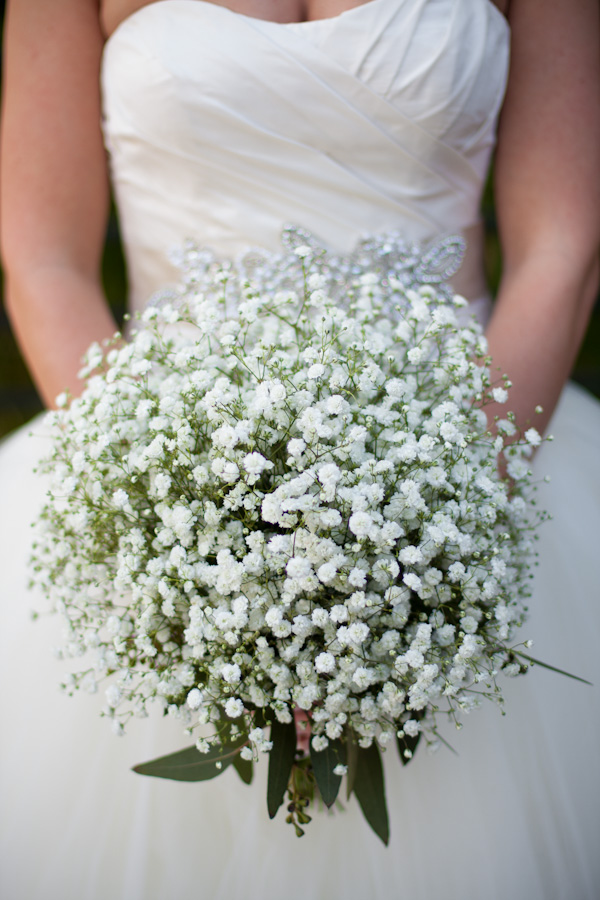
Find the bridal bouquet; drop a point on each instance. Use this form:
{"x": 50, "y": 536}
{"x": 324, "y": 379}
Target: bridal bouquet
{"x": 282, "y": 493}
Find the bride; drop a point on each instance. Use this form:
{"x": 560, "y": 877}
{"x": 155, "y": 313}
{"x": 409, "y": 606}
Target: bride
{"x": 223, "y": 121}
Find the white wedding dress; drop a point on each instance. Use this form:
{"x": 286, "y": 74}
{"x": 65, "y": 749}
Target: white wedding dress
{"x": 223, "y": 128}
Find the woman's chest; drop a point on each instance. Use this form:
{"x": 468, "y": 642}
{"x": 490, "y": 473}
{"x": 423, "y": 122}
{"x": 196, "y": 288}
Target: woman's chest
{"x": 114, "y": 12}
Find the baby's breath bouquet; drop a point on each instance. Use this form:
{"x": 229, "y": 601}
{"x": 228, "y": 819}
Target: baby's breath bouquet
{"x": 282, "y": 494}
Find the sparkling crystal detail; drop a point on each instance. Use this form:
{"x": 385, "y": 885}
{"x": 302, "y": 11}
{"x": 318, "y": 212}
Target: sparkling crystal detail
{"x": 396, "y": 261}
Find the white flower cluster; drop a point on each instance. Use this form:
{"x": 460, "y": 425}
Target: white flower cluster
{"x": 296, "y": 503}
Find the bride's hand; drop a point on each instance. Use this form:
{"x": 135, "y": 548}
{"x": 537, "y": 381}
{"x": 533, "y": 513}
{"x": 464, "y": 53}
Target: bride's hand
{"x": 302, "y": 722}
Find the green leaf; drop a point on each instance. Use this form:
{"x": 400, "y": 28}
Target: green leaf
{"x": 407, "y": 743}
{"x": 244, "y": 768}
{"x": 281, "y": 759}
{"x": 259, "y": 720}
{"x": 191, "y": 765}
{"x": 370, "y": 791}
{"x": 538, "y": 662}
{"x": 351, "y": 762}
{"x": 323, "y": 763}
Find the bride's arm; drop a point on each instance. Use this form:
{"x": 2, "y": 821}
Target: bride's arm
{"x": 547, "y": 184}
{"x": 54, "y": 186}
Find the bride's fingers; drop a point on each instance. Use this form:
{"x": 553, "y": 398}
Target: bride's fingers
{"x": 302, "y": 722}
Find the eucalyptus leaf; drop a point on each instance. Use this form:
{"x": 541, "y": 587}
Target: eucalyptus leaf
{"x": 409, "y": 744}
{"x": 351, "y": 761}
{"x": 323, "y": 763}
{"x": 259, "y": 720}
{"x": 538, "y": 662}
{"x": 244, "y": 768}
{"x": 281, "y": 759}
{"x": 370, "y": 791}
{"x": 191, "y": 765}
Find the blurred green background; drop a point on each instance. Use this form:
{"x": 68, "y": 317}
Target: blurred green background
{"x": 19, "y": 400}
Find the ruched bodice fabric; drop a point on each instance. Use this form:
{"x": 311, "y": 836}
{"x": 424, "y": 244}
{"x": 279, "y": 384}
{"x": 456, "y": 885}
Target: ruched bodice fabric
{"x": 223, "y": 127}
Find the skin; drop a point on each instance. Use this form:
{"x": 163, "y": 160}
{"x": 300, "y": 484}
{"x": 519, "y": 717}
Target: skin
{"x": 547, "y": 199}
{"x": 55, "y": 191}
{"x": 114, "y": 11}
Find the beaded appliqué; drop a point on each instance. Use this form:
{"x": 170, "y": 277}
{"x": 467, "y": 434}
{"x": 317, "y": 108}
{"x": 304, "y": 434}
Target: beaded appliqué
{"x": 396, "y": 261}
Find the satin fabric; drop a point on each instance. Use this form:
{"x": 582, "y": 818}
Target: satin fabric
{"x": 223, "y": 128}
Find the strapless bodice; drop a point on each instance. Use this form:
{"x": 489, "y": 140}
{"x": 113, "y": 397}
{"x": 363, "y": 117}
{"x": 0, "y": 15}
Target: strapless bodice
{"x": 222, "y": 127}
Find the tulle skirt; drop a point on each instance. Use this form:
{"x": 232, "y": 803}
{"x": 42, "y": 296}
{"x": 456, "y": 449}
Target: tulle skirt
{"x": 514, "y": 814}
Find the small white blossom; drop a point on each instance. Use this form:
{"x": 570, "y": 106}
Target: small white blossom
{"x": 298, "y": 567}
{"x": 231, "y": 673}
{"x": 296, "y": 447}
{"x": 361, "y": 677}
{"x": 325, "y": 663}
{"x": 360, "y": 524}
{"x": 255, "y": 463}
{"x": 234, "y": 708}
{"x": 320, "y": 617}
{"x": 500, "y": 395}
{"x": 194, "y": 699}
{"x": 532, "y": 437}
